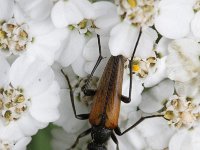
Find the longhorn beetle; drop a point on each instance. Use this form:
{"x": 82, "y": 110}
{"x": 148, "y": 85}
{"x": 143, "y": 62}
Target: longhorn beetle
{"x": 104, "y": 113}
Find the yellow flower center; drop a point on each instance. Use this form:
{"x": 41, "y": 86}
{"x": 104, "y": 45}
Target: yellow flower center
{"x": 2, "y": 34}
{"x": 135, "y": 68}
{"x": 132, "y": 3}
{"x": 86, "y": 27}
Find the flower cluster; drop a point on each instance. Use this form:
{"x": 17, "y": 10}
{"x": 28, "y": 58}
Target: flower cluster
{"x": 45, "y": 44}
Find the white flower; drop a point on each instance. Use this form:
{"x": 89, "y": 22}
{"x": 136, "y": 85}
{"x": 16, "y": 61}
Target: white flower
{"x": 149, "y": 62}
{"x": 134, "y": 15}
{"x": 153, "y": 100}
{"x": 77, "y": 17}
{"x": 138, "y": 13}
{"x": 67, "y": 119}
{"x": 185, "y": 139}
{"x": 14, "y": 145}
{"x": 105, "y": 19}
{"x": 82, "y": 20}
{"x": 37, "y": 10}
{"x": 181, "y": 109}
{"x": 183, "y": 60}
{"x": 28, "y": 97}
{"x": 19, "y": 34}
{"x": 156, "y": 132}
{"x": 91, "y": 54}
{"x": 122, "y": 39}
{"x": 167, "y": 23}
{"x": 62, "y": 140}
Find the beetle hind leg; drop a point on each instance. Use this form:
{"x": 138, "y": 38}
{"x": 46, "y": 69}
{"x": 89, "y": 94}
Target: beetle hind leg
{"x": 118, "y": 131}
{"x": 88, "y": 131}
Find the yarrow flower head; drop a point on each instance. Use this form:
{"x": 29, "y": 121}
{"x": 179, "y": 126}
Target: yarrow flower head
{"x": 82, "y": 19}
{"x": 14, "y": 38}
{"x": 12, "y": 104}
{"x": 26, "y": 99}
{"x": 137, "y": 12}
{"x": 182, "y": 112}
{"x": 196, "y": 6}
{"x": 20, "y": 33}
{"x": 67, "y": 119}
{"x": 85, "y": 27}
{"x": 141, "y": 67}
{"x": 14, "y": 145}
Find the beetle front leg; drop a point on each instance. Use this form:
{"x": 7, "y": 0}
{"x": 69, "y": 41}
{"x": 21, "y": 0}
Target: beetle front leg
{"x": 80, "y": 116}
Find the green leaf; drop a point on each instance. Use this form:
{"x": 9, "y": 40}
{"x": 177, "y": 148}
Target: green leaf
{"x": 42, "y": 140}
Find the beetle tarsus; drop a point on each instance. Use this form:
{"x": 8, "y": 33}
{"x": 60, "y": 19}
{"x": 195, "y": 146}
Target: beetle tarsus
{"x": 125, "y": 99}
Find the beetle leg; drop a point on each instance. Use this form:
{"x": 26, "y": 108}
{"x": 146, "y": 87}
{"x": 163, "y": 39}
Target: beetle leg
{"x": 118, "y": 131}
{"x": 80, "y": 136}
{"x": 126, "y": 99}
{"x": 84, "y": 88}
{"x": 114, "y": 138}
{"x": 81, "y": 116}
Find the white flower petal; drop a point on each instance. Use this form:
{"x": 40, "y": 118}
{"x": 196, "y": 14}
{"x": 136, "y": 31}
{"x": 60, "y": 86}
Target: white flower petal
{"x": 60, "y": 77}
{"x": 44, "y": 106}
{"x": 153, "y": 98}
{"x": 6, "y": 132}
{"x": 78, "y": 66}
{"x": 162, "y": 140}
{"x": 195, "y": 25}
{"x": 162, "y": 46}
{"x": 137, "y": 89}
{"x": 65, "y": 13}
{"x": 146, "y": 43}
{"x": 85, "y": 8}
{"x": 5, "y": 67}
{"x": 91, "y": 49}
{"x": 28, "y": 125}
{"x": 33, "y": 75}
{"x": 71, "y": 47}
{"x": 99, "y": 71}
{"x": 40, "y": 28}
{"x": 45, "y": 47}
{"x": 22, "y": 143}
{"x": 159, "y": 74}
{"x": 19, "y": 15}
{"x": 122, "y": 39}
{"x": 196, "y": 138}
{"x": 130, "y": 141}
{"x": 37, "y": 10}
{"x": 183, "y": 60}
{"x": 106, "y": 19}
{"x": 48, "y": 99}
{"x": 181, "y": 141}
{"x": 170, "y": 21}
{"x": 50, "y": 115}
{"x": 188, "y": 89}
{"x": 67, "y": 119}
{"x": 153, "y": 126}
{"x": 6, "y": 8}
